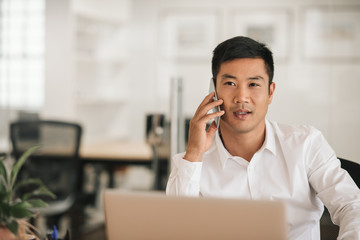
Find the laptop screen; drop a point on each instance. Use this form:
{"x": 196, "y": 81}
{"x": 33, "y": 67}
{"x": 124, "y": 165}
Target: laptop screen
{"x": 153, "y": 215}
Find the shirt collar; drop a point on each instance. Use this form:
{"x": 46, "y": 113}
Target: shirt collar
{"x": 224, "y": 155}
{"x": 269, "y": 144}
{"x": 270, "y": 141}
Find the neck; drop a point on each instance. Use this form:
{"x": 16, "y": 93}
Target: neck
{"x": 243, "y": 145}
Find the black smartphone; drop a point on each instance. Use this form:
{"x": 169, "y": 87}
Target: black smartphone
{"x": 217, "y": 108}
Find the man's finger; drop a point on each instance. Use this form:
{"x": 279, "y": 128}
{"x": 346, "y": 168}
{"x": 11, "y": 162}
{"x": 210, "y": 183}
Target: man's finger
{"x": 206, "y": 100}
{"x": 210, "y": 116}
{"x": 203, "y": 110}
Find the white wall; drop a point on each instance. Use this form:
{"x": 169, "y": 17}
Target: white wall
{"x": 59, "y": 69}
{"x": 323, "y": 94}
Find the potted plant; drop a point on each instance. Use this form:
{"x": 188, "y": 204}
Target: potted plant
{"x": 15, "y": 209}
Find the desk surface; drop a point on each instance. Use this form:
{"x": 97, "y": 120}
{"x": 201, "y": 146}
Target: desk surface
{"x": 115, "y": 150}
{"x": 124, "y": 153}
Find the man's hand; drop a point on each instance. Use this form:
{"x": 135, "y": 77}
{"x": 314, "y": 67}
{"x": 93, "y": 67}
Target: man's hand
{"x": 200, "y": 140}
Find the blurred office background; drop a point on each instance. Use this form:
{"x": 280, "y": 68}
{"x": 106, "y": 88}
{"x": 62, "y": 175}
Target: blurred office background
{"x": 108, "y": 64}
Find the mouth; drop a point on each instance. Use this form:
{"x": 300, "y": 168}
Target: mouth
{"x": 242, "y": 114}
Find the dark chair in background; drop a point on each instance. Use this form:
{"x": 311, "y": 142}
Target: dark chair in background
{"x": 353, "y": 169}
{"x": 155, "y": 131}
{"x": 56, "y": 162}
{"x": 330, "y": 231}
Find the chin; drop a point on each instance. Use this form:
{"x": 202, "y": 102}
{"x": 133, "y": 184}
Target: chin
{"x": 236, "y": 128}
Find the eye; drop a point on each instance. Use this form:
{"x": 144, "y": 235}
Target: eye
{"x": 229, "y": 83}
{"x": 254, "y": 84}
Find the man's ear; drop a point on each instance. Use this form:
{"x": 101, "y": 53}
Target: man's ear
{"x": 271, "y": 91}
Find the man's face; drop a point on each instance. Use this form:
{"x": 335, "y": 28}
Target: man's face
{"x": 243, "y": 84}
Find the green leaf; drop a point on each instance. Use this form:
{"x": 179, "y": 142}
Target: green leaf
{"x": 37, "y": 203}
{"x": 5, "y": 210}
{"x": 3, "y": 176}
{"x": 3, "y": 171}
{"x": 3, "y": 196}
{"x": 3, "y": 184}
{"x": 33, "y": 181}
{"x": 13, "y": 226}
{"x": 19, "y": 163}
{"x": 21, "y": 210}
{"x": 41, "y": 191}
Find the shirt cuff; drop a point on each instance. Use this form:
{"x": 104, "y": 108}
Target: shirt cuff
{"x": 191, "y": 170}
{"x": 184, "y": 178}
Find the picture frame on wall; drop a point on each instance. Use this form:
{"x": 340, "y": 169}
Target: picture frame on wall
{"x": 188, "y": 35}
{"x": 330, "y": 33}
{"x": 272, "y": 28}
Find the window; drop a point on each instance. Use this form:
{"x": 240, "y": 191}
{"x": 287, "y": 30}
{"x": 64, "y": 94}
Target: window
{"x": 22, "y": 38}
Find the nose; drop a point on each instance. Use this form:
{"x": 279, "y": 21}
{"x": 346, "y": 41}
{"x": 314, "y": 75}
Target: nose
{"x": 242, "y": 95}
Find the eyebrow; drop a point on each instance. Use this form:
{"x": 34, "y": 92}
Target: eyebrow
{"x": 224, "y": 76}
{"x": 227, "y": 76}
{"x": 256, "y": 78}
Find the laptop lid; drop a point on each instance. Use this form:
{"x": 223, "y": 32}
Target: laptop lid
{"x": 139, "y": 215}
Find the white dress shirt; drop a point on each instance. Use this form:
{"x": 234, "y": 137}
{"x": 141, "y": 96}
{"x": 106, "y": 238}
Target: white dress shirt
{"x": 295, "y": 165}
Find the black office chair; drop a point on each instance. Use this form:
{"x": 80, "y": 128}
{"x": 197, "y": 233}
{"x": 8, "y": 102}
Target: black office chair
{"x": 353, "y": 169}
{"x": 328, "y": 229}
{"x": 56, "y": 162}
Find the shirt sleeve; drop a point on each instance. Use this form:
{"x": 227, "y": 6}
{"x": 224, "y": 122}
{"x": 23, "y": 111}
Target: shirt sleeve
{"x": 335, "y": 188}
{"x": 184, "y": 178}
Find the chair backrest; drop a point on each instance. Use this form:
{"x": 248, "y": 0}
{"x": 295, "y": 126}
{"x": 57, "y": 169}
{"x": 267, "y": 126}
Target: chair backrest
{"x": 353, "y": 169}
{"x": 56, "y": 161}
{"x": 54, "y": 137}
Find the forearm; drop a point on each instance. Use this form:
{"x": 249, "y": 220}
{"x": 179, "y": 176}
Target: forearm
{"x": 185, "y": 175}
{"x": 346, "y": 213}
{"x": 350, "y": 222}
{"x": 341, "y": 196}
{"x": 184, "y": 178}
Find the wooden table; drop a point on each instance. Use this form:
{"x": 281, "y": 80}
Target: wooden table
{"x": 112, "y": 154}
{"x": 119, "y": 151}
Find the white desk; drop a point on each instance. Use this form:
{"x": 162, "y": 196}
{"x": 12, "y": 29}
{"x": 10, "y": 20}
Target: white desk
{"x": 117, "y": 151}
{"x": 123, "y": 153}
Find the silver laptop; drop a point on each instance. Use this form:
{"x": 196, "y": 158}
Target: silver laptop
{"x": 155, "y": 216}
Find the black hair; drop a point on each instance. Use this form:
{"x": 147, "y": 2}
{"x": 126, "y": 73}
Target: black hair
{"x": 242, "y": 47}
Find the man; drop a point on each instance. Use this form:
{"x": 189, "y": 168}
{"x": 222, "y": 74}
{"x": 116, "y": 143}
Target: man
{"x": 253, "y": 158}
